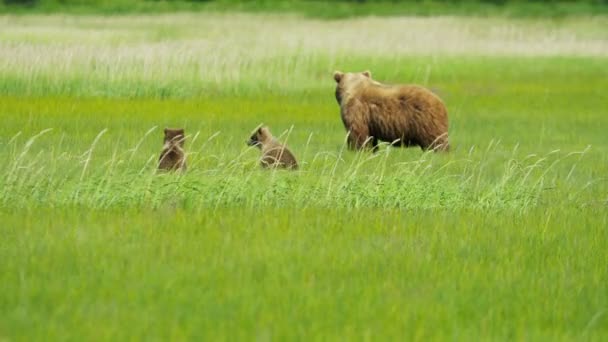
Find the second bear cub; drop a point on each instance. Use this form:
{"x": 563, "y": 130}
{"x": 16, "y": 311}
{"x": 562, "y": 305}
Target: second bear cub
{"x": 173, "y": 157}
{"x": 274, "y": 154}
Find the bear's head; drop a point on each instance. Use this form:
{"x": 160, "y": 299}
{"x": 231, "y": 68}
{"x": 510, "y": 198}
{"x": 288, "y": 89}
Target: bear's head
{"x": 347, "y": 83}
{"x": 174, "y": 137}
{"x": 260, "y": 136}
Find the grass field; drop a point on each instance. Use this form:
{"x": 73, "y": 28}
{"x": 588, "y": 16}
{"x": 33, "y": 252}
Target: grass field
{"x": 332, "y": 9}
{"x": 504, "y": 238}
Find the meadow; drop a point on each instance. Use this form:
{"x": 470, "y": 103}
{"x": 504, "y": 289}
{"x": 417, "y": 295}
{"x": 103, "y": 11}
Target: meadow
{"x": 503, "y": 238}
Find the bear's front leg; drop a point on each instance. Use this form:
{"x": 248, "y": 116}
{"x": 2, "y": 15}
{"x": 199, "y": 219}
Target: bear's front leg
{"x": 359, "y": 139}
{"x": 357, "y": 127}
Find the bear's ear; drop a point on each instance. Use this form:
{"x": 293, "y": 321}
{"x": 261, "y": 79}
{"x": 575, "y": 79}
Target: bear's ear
{"x": 265, "y": 131}
{"x": 338, "y": 76}
{"x": 166, "y": 130}
{"x": 180, "y": 131}
{"x": 367, "y": 74}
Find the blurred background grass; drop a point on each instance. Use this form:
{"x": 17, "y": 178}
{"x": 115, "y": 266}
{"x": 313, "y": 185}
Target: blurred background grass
{"x": 323, "y": 9}
{"x": 516, "y": 90}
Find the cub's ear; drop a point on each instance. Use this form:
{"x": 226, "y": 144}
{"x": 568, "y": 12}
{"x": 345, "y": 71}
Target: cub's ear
{"x": 180, "y": 131}
{"x": 338, "y": 76}
{"x": 367, "y": 74}
{"x": 166, "y": 130}
{"x": 265, "y": 131}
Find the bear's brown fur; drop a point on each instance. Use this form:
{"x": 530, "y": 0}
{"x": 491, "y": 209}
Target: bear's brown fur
{"x": 172, "y": 157}
{"x": 274, "y": 154}
{"x": 404, "y": 115}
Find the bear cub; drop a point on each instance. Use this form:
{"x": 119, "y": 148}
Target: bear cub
{"x": 173, "y": 157}
{"x": 274, "y": 154}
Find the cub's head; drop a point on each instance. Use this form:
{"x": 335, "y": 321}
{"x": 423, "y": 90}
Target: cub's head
{"x": 347, "y": 82}
{"x": 260, "y": 136}
{"x": 174, "y": 136}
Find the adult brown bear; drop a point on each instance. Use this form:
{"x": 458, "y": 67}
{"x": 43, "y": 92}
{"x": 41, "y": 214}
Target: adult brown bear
{"x": 404, "y": 115}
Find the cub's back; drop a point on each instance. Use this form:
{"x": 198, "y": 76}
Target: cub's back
{"x": 277, "y": 154}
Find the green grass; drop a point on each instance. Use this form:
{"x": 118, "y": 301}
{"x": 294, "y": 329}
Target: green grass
{"x": 302, "y": 274}
{"x": 321, "y": 9}
{"x": 503, "y": 238}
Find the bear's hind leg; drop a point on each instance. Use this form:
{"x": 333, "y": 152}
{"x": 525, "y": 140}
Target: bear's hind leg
{"x": 439, "y": 144}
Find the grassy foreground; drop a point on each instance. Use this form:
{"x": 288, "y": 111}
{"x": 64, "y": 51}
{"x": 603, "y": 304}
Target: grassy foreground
{"x": 503, "y": 238}
{"x": 301, "y": 274}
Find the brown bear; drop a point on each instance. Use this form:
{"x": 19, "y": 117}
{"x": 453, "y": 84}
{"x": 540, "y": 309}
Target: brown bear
{"x": 172, "y": 157}
{"x": 403, "y": 115}
{"x": 274, "y": 154}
